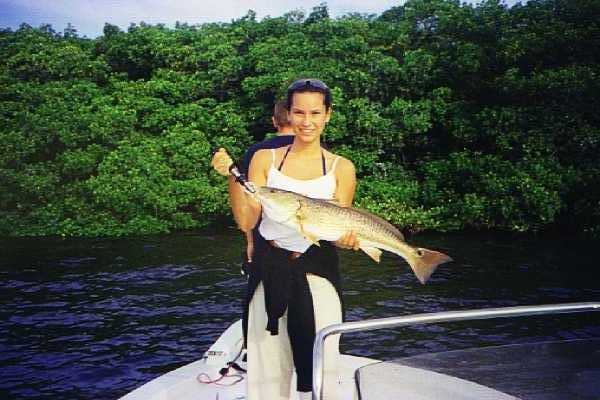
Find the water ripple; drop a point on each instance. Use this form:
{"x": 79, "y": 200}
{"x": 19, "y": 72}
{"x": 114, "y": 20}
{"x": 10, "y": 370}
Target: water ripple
{"x": 94, "y": 319}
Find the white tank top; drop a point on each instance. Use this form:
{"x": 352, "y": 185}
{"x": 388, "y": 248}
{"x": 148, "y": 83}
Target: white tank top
{"x": 322, "y": 187}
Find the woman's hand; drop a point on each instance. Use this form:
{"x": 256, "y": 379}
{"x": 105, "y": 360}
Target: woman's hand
{"x": 348, "y": 241}
{"x": 221, "y": 162}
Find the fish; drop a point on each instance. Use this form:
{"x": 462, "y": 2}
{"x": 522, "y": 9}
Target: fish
{"x": 319, "y": 219}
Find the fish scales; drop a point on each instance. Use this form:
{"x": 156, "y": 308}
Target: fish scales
{"x": 338, "y": 220}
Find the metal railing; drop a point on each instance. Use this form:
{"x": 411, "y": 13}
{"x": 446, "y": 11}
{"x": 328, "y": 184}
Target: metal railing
{"x": 381, "y": 323}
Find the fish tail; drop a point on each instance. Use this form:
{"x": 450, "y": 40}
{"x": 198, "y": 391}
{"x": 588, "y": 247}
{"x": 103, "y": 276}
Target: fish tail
{"x": 424, "y": 262}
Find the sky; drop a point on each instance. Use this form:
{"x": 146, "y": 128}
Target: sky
{"x": 89, "y": 16}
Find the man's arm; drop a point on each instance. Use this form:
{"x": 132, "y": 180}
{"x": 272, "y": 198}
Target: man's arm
{"x": 249, "y": 245}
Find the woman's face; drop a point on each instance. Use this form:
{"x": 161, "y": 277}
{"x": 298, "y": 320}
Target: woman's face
{"x": 308, "y": 115}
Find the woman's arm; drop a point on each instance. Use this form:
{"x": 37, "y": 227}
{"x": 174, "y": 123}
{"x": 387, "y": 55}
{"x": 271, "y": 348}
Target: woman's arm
{"x": 345, "y": 175}
{"x": 237, "y": 199}
{"x": 221, "y": 161}
{"x": 257, "y": 174}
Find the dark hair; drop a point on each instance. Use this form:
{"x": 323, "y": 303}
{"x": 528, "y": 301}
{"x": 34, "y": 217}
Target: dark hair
{"x": 280, "y": 112}
{"x": 309, "y": 85}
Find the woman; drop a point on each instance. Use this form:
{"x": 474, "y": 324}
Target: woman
{"x": 295, "y": 289}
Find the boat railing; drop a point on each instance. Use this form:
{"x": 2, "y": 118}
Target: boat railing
{"x": 428, "y": 318}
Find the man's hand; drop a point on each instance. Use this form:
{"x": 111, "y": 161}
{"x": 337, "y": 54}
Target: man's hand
{"x": 221, "y": 162}
{"x": 249, "y": 250}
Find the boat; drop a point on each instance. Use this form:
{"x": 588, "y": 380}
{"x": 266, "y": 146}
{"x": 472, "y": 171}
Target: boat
{"x": 568, "y": 369}
{"x": 220, "y": 374}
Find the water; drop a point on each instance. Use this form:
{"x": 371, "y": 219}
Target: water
{"x": 94, "y": 319}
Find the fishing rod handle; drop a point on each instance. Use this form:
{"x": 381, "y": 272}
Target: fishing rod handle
{"x": 240, "y": 177}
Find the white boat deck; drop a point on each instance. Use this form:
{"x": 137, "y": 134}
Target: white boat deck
{"x": 181, "y": 384}
{"x": 413, "y": 378}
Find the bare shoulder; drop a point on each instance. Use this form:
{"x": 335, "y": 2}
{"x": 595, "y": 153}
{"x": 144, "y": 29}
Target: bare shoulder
{"x": 344, "y": 166}
{"x": 259, "y": 165}
{"x": 262, "y": 157}
{"x": 345, "y": 176}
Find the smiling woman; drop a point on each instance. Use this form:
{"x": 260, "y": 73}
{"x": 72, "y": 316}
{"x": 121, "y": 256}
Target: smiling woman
{"x": 308, "y": 117}
{"x": 289, "y": 263}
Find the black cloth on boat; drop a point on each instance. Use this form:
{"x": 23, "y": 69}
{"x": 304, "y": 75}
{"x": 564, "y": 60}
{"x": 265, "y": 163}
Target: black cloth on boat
{"x": 286, "y": 288}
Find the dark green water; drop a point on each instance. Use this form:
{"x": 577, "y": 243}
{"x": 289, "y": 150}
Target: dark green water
{"x": 93, "y": 319}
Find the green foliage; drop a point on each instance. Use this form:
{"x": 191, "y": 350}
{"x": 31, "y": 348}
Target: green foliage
{"x": 484, "y": 191}
{"x": 395, "y": 197}
{"x": 40, "y": 55}
{"x": 158, "y": 184}
{"x": 455, "y": 116}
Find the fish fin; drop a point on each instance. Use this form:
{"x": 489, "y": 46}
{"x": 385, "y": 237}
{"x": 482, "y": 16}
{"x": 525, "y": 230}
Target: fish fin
{"x": 334, "y": 201}
{"x": 300, "y": 214}
{"x": 308, "y": 236}
{"x": 373, "y": 252}
{"x": 424, "y": 262}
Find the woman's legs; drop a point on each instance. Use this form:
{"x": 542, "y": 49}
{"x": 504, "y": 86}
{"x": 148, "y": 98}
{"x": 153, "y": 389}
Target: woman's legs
{"x": 270, "y": 363}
